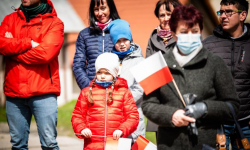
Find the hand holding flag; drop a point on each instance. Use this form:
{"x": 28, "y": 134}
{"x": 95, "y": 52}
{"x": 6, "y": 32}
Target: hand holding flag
{"x": 152, "y": 73}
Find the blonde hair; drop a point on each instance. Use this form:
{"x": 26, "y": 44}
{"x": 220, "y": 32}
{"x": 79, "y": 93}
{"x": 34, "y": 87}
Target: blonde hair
{"x": 90, "y": 97}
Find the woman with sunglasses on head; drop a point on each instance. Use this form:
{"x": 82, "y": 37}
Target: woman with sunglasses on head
{"x": 93, "y": 40}
{"x": 196, "y": 71}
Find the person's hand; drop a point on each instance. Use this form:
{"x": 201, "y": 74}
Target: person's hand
{"x": 34, "y": 44}
{"x": 86, "y": 133}
{"x": 196, "y": 110}
{"x": 8, "y": 35}
{"x": 117, "y": 134}
{"x": 180, "y": 120}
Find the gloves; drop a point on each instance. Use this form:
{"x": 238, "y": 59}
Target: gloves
{"x": 196, "y": 110}
{"x": 192, "y": 129}
{"x": 189, "y": 98}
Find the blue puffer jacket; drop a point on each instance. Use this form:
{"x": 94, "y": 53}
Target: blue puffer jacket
{"x": 88, "y": 47}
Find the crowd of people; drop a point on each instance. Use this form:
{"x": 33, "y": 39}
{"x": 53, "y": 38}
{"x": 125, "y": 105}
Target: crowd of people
{"x": 210, "y": 74}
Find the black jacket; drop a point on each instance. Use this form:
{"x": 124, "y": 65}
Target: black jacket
{"x": 236, "y": 54}
{"x": 155, "y": 44}
{"x": 205, "y": 75}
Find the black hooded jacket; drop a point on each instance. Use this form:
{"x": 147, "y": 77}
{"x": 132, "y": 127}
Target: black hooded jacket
{"x": 236, "y": 54}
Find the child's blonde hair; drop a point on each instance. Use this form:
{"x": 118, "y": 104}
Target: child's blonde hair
{"x": 90, "y": 97}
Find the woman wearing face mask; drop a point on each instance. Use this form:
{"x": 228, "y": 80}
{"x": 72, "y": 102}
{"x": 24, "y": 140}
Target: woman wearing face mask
{"x": 93, "y": 40}
{"x": 161, "y": 38}
{"x": 197, "y": 71}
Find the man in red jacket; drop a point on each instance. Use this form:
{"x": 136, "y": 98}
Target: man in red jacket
{"x": 31, "y": 39}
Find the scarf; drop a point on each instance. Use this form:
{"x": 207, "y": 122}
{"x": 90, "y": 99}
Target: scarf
{"x": 121, "y": 55}
{"x": 103, "y": 26}
{"x": 34, "y": 11}
{"x": 184, "y": 59}
{"x": 164, "y": 34}
{"x": 104, "y": 84}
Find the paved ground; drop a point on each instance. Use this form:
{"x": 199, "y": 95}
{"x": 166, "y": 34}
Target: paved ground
{"x": 65, "y": 142}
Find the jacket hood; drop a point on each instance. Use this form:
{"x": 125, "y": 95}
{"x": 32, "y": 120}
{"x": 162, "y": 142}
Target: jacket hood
{"x": 53, "y": 13}
{"x": 120, "y": 82}
{"x": 218, "y": 31}
{"x": 157, "y": 41}
{"x": 136, "y": 53}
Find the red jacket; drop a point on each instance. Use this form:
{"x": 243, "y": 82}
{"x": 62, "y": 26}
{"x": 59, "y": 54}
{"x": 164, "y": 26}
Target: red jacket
{"x": 31, "y": 71}
{"x": 102, "y": 118}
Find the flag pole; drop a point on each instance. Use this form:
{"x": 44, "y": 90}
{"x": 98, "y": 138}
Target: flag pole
{"x": 179, "y": 93}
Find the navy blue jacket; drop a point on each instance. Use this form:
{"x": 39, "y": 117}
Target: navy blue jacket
{"x": 88, "y": 47}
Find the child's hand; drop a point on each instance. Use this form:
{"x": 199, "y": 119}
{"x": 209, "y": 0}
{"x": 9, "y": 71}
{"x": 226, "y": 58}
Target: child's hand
{"x": 117, "y": 134}
{"x": 86, "y": 132}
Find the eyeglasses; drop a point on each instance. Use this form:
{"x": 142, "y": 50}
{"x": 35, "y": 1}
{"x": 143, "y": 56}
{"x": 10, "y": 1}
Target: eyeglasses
{"x": 228, "y": 13}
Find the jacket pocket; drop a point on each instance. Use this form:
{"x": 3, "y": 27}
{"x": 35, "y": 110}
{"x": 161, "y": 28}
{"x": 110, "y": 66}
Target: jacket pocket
{"x": 50, "y": 74}
{"x": 241, "y": 55}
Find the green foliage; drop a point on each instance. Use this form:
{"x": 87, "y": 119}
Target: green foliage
{"x": 64, "y": 119}
{"x": 3, "y": 117}
{"x": 150, "y": 135}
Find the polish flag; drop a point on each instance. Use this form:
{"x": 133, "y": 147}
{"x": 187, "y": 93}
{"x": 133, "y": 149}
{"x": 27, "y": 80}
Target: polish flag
{"x": 142, "y": 143}
{"x": 152, "y": 73}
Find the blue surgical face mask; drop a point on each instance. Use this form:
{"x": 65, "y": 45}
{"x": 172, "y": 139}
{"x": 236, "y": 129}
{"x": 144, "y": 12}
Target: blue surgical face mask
{"x": 104, "y": 84}
{"x": 187, "y": 43}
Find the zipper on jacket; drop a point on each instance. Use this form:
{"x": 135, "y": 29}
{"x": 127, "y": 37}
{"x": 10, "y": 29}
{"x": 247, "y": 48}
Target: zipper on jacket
{"x": 241, "y": 55}
{"x": 232, "y": 59}
{"x": 105, "y": 130}
{"x": 50, "y": 75}
{"x": 103, "y": 36}
{"x": 120, "y": 68}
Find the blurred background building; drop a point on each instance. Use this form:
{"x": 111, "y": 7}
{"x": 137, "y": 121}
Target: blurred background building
{"x": 74, "y": 14}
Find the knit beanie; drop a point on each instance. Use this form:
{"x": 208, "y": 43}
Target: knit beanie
{"x": 119, "y": 29}
{"x": 109, "y": 61}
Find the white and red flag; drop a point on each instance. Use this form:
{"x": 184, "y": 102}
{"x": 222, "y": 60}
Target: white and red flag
{"x": 152, "y": 73}
{"x": 142, "y": 143}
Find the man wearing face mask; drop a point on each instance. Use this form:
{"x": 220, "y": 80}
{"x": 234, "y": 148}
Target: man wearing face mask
{"x": 196, "y": 71}
{"x": 231, "y": 41}
{"x": 31, "y": 39}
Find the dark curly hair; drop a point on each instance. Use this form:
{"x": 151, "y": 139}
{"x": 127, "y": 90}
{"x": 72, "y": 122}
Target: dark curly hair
{"x": 189, "y": 14}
